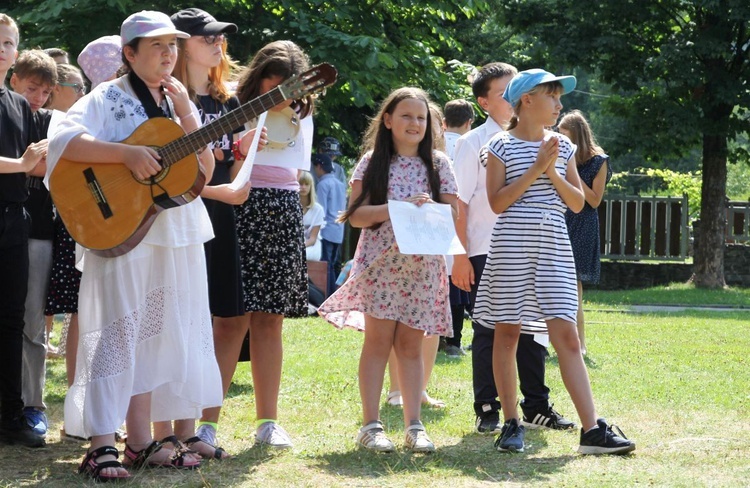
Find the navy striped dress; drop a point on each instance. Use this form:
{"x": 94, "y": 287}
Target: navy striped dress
{"x": 530, "y": 274}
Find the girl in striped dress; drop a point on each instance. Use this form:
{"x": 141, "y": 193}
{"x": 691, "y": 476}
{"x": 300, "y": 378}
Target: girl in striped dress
{"x": 530, "y": 274}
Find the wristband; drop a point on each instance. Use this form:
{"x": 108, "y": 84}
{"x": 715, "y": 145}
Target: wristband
{"x": 237, "y": 152}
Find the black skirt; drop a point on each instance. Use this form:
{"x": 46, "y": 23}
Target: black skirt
{"x": 272, "y": 252}
{"x": 65, "y": 279}
{"x": 225, "y": 296}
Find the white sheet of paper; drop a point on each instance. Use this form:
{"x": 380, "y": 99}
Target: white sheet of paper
{"x": 428, "y": 229}
{"x": 296, "y": 156}
{"x": 243, "y": 175}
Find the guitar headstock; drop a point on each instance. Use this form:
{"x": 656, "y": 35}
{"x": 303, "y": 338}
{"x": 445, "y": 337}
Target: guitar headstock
{"x": 312, "y": 81}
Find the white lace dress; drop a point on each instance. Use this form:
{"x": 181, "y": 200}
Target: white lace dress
{"x": 144, "y": 319}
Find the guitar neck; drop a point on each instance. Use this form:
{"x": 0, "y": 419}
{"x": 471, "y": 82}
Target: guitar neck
{"x": 183, "y": 146}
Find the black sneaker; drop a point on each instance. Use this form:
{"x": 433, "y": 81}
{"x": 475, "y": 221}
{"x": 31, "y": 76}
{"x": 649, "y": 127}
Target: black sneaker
{"x": 545, "y": 419}
{"x": 18, "y": 431}
{"x": 488, "y": 423}
{"x": 511, "y": 437}
{"x": 604, "y": 441}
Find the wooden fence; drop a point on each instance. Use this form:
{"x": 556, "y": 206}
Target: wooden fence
{"x": 738, "y": 222}
{"x": 636, "y": 227}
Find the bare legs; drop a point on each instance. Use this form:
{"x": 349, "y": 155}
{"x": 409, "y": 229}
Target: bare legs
{"x": 504, "y": 367}
{"x": 380, "y": 337}
{"x": 579, "y": 320}
{"x": 429, "y": 354}
{"x": 71, "y": 349}
{"x": 266, "y": 352}
{"x": 564, "y": 338}
{"x": 229, "y": 333}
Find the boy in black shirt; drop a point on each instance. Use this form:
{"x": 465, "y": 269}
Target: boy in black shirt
{"x": 17, "y": 156}
{"x": 34, "y": 78}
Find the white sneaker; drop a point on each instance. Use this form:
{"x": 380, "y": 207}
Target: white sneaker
{"x": 372, "y": 437}
{"x": 273, "y": 435}
{"x": 417, "y": 439}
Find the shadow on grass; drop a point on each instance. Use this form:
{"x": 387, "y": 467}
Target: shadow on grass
{"x": 239, "y": 389}
{"x": 473, "y": 456}
{"x": 589, "y": 360}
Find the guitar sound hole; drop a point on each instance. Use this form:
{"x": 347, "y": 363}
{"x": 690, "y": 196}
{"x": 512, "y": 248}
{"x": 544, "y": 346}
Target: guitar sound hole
{"x": 154, "y": 179}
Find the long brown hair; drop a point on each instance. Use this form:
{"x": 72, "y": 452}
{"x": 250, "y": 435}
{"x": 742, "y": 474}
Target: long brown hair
{"x": 580, "y": 134}
{"x": 217, "y": 75}
{"x": 279, "y": 58}
{"x": 379, "y": 139}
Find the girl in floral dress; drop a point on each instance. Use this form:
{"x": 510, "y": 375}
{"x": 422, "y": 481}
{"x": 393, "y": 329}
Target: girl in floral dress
{"x": 395, "y": 298}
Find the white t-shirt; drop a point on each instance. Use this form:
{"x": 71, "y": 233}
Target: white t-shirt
{"x": 450, "y": 142}
{"x": 313, "y": 217}
{"x": 471, "y": 177}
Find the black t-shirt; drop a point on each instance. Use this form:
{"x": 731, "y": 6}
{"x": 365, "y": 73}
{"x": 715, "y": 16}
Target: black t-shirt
{"x": 17, "y": 131}
{"x": 211, "y": 110}
{"x": 39, "y": 203}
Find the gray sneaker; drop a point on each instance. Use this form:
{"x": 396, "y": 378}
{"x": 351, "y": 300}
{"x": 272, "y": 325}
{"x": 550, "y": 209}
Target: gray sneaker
{"x": 417, "y": 439}
{"x": 272, "y": 435}
{"x": 454, "y": 351}
{"x": 372, "y": 437}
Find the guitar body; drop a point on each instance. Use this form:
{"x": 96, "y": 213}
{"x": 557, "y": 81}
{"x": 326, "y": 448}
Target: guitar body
{"x": 106, "y": 209}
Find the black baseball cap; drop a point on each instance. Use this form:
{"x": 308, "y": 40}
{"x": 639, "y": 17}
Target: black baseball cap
{"x": 324, "y": 161}
{"x": 197, "y": 22}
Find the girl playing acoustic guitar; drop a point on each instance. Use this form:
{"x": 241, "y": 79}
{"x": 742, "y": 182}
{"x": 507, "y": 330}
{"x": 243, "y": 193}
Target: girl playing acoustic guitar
{"x": 146, "y": 345}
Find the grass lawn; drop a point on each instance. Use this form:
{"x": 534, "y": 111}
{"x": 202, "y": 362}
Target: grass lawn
{"x": 673, "y": 294}
{"x": 676, "y": 383}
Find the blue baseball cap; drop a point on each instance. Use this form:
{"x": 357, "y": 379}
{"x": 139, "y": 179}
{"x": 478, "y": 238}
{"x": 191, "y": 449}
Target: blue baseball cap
{"x": 525, "y": 81}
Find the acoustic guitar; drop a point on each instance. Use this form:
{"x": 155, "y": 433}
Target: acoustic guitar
{"x": 108, "y": 210}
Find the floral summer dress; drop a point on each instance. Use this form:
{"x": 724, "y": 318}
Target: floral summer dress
{"x": 412, "y": 289}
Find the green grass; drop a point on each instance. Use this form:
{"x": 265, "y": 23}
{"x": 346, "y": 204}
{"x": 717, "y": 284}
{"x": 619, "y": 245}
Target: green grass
{"x": 673, "y": 294}
{"x": 676, "y": 383}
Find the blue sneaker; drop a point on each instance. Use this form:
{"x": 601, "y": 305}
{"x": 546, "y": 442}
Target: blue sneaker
{"x": 36, "y": 419}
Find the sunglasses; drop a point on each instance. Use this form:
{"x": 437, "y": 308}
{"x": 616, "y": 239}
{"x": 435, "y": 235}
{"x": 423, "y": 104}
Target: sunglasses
{"x": 79, "y": 88}
{"x": 213, "y": 39}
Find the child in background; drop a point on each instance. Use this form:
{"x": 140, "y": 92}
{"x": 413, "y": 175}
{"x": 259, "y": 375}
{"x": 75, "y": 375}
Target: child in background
{"x": 457, "y": 119}
{"x": 395, "y": 298}
{"x": 530, "y": 274}
{"x": 313, "y": 217}
{"x": 62, "y": 291}
{"x": 34, "y": 77}
{"x": 583, "y": 227}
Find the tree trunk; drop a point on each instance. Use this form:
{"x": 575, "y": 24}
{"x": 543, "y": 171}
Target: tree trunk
{"x": 709, "y": 249}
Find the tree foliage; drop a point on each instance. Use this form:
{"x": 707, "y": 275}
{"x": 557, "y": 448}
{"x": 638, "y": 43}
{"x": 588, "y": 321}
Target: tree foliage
{"x": 376, "y": 45}
{"x": 680, "y": 68}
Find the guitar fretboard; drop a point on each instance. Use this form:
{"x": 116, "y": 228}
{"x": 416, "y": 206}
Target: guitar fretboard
{"x": 181, "y": 147}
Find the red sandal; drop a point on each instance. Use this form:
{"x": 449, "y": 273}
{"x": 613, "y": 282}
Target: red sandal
{"x": 93, "y": 469}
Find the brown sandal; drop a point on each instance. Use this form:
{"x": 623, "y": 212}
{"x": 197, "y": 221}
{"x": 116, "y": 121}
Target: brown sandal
{"x": 218, "y": 451}
{"x": 140, "y": 459}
